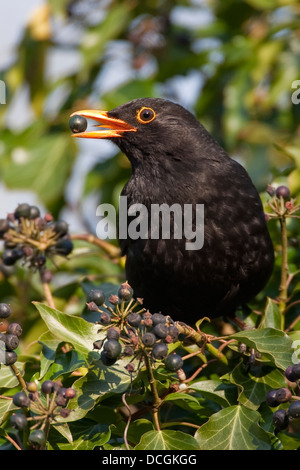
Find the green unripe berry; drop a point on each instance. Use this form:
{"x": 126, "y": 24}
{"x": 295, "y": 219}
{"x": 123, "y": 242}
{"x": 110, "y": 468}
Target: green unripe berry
{"x": 37, "y": 437}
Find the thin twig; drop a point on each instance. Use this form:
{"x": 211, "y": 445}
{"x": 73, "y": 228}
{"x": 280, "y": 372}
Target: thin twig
{"x": 128, "y": 421}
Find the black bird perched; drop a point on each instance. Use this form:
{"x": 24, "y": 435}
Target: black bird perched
{"x": 176, "y": 161}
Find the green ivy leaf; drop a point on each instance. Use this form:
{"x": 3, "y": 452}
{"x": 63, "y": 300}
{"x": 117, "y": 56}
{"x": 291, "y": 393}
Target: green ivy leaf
{"x": 255, "y": 382}
{"x": 7, "y": 376}
{"x": 47, "y": 357}
{"x": 6, "y": 405}
{"x": 272, "y": 316}
{"x": 233, "y": 428}
{"x": 215, "y": 390}
{"x": 274, "y": 344}
{"x": 69, "y": 328}
{"x": 100, "y": 381}
{"x": 167, "y": 440}
{"x": 86, "y": 436}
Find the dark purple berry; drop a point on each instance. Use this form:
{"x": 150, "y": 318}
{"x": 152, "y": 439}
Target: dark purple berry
{"x": 11, "y": 342}
{"x": 5, "y": 310}
{"x": 173, "y": 333}
{"x": 290, "y": 375}
{"x": 134, "y": 319}
{"x": 77, "y": 124}
{"x": 61, "y": 227}
{"x": 34, "y": 212}
{"x": 14, "y": 329}
{"x": 271, "y": 398}
{"x": 283, "y": 191}
{"x": 294, "y": 409}
{"x": 47, "y": 387}
{"x": 10, "y": 256}
{"x": 21, "y": 399}
{"x": 283, "y": 395}
{"x": 10, "y": 357}
{"x": 113, "y": 333}
{"x": 64, "y": 246}
{"x": 18, "y": 421}
{"x": 280, "y": 419}
{"x": 158, "y": 318}
{"x": 159, "y": 351}
{"x": 173, "y": 362}
{"x": 112, "y": 348}
{"x": 23, "y": 210}
{"x": 97, "y": 296}
{"x": 107, "y": 361}
{"x": 160, "y": 330}
{"x": 296, "y": 370}
{"x": 148, "y": 339}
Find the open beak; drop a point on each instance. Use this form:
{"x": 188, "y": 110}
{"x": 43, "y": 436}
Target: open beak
{"x": 110, "y": 127}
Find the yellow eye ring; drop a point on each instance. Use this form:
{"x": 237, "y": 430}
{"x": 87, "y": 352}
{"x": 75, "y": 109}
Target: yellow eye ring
{"x": 146, "y": 115}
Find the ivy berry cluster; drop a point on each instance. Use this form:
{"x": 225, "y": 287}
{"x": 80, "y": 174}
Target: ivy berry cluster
{"x": 274, "y": 398}
{"x": 132, "y": 331}
{"x": 30, "y": 237}
{"x": 9, "y": 337}
{"x": 40, "y": 409}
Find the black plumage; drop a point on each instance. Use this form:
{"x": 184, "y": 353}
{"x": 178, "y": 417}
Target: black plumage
{"x": 176, "y": 161}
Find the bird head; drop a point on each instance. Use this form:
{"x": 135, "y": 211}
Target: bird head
{"x": 148, "y": 129}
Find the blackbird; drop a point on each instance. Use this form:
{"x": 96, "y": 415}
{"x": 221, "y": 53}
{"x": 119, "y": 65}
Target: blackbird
{"x": 175, "y": 160}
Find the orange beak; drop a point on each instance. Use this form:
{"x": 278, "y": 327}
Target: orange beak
{"x": 110, "y": 127}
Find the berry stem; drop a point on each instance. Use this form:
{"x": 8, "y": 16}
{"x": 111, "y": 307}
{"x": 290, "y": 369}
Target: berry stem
{"x": 110, "y": 249}
{"x": 47, "y": 292}
{"x": 155, "y": 397}
{"x": 284, "y": 266}
{"x": 19, "y": 376}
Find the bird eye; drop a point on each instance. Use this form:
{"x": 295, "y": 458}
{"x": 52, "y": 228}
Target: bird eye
{"x": 146, "y": 115}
